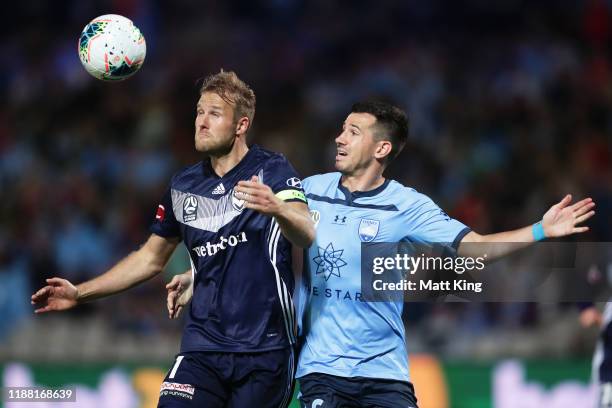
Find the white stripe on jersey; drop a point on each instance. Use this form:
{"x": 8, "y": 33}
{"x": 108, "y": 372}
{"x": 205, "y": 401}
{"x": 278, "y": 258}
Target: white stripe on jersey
{"x": 285, "y": 302}
{"x": 210, "y": 214}
{"x": 289, "y": 306}
{"x": 289, "y": 302}
{"x": 193, "y": 270}
{"x": 286, "y": 297}
{"x": 290, "y": 375}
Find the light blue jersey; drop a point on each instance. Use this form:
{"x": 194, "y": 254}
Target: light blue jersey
{"x": 346, "y": 336}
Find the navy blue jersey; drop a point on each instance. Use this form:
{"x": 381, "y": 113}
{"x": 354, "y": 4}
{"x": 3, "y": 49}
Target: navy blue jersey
{"x": 240, "y": 260}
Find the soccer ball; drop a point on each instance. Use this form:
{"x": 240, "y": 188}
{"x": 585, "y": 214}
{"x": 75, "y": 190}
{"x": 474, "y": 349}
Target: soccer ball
{"x": 112, "y": 48}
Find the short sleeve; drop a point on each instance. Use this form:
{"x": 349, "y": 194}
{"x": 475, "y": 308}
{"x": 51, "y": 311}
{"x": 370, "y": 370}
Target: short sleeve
{"x": 429, "y": 223}
{"x": 165, "y": 224}
{"x": 284, "y": 181}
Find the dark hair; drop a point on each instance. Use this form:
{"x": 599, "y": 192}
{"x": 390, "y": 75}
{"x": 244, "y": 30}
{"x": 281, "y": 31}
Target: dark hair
{"x": 391, "y": 123}
{"x": 232, "y": 90}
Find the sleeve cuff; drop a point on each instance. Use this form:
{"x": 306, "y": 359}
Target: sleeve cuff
{"x": 460, "y": 236}
{"x": 165, "y": 234}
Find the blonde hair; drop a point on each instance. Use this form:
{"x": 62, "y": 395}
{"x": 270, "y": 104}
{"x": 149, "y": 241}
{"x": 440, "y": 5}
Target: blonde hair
{"x": 232, "y": 90}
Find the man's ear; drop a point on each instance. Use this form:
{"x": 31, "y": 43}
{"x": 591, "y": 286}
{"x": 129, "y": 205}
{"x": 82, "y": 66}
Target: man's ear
{"x": 383, "y": 149}
{"x": 242, "y": 125}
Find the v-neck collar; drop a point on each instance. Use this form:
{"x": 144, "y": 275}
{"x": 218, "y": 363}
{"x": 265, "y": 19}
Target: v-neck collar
{"x": 351, "y": 196}
{"x": 210, "y": 172}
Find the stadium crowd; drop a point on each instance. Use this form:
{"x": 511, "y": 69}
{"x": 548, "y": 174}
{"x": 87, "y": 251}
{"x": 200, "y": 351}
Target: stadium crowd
{"x": 508, "y": 101}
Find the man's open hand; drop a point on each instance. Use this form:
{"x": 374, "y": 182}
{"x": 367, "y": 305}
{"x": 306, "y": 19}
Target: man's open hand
{"x": 259, "y": 197}
{"x": 58, "y": 295}
{"x": 563, "y": 219}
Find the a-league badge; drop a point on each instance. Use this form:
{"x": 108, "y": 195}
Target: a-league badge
{"x": 316, "y": 217}
{"x": 190, "y": 208}
{"x": 368, "y": 229}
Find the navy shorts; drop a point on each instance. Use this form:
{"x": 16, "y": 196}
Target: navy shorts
{"x": 329, "y": 391}
{"x": 212, "y": 379}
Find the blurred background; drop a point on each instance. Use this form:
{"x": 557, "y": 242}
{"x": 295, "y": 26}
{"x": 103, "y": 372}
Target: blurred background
{"x": 509, "y": 104}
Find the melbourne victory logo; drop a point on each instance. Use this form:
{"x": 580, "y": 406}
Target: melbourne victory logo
{"x": 237, "y": 203}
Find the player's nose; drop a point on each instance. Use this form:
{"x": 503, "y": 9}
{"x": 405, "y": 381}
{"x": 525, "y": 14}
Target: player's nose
{"x": 340, "y": 139}
{"x": 203, "y": 122}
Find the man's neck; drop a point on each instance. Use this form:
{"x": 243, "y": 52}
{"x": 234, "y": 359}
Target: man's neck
{"x": 223, "y": 164}
{"x": 364, "y": 181}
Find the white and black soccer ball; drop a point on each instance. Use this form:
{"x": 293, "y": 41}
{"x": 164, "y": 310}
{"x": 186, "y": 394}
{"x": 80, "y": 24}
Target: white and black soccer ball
{"x": 112, "y": 48}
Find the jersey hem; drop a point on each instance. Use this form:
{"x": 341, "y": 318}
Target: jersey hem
{"x": 303, "y": 373}
{"x": 234, "y": 350}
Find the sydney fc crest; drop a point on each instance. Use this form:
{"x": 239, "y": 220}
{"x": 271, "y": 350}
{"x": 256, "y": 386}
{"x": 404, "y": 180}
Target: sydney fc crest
{"x": 368, "y": 229}
{"x": 190, "y": 208}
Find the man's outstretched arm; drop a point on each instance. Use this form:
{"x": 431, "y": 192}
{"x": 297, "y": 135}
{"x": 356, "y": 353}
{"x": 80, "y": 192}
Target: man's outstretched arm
{"x": 139, "y": 266}
{"x": 560, "y": 220}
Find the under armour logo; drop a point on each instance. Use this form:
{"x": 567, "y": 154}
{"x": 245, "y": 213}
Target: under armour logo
{"x": 339, "y": 220}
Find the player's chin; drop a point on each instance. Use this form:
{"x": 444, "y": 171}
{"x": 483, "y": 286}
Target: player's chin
{"x": 200, "y": 147}
{"x": 341, "y": 165}
{"x": 203, "y": 147}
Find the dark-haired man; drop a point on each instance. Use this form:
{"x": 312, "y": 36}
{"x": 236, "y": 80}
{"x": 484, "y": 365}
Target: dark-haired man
{"x": 355, "y": 351}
